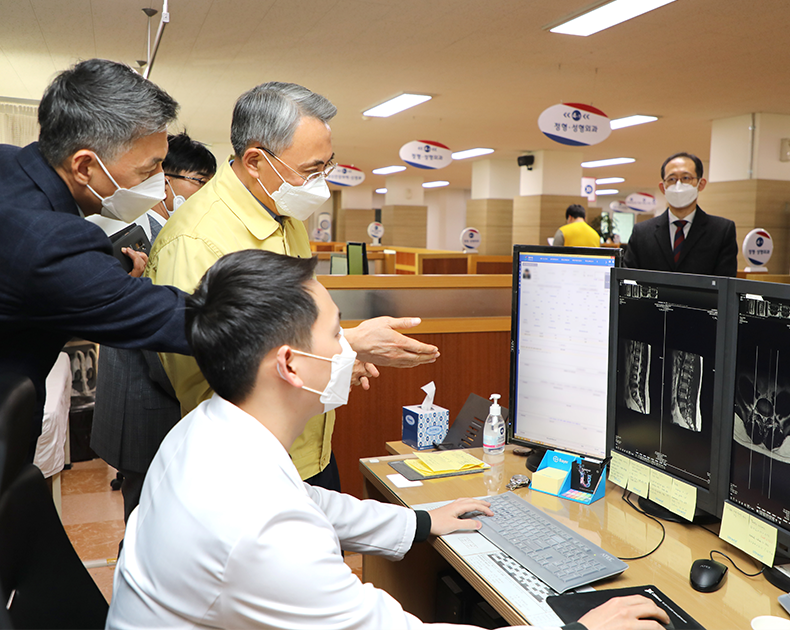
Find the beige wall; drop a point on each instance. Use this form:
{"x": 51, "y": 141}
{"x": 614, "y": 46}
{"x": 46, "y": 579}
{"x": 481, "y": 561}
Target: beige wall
{"x": 493, "y": 218}
{"x": 754, "y": 203}
{"x": 405, "y": 226}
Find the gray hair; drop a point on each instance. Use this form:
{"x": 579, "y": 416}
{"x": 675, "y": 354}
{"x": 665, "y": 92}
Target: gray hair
{"x": 269, "y": 114}
{"x": 103, "y": 106}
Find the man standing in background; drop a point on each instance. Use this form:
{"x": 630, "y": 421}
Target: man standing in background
{"x": 576, "y": 232}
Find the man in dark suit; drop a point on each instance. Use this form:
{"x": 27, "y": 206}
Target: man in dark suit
{"x": 684, "y": 238}
{"x": 102, "y": 141}
{"x": 135, "y": 403}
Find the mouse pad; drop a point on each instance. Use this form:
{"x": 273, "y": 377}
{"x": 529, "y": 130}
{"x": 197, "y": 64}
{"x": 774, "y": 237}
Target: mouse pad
{"x": 572, "y": 606}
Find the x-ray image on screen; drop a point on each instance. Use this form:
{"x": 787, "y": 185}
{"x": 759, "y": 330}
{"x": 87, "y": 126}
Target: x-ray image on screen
{"x": 636, "y": 373}
{"x": 762, "y": 402}
{"x": 686, "y": 385}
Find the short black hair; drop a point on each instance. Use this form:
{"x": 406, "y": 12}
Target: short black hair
{"x": 248, "y": 303}
{"x": 185, "y": 155}
{"x": 103, "y": 106}
{"x": 691, "y": 156}
{"x": 576, "y": 211}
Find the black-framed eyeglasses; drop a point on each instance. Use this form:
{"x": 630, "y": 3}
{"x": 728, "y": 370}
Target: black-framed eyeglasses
{"x": 684, "y": 179}
{"x": 330, "y": 166}
{"x": 202, "y": 181}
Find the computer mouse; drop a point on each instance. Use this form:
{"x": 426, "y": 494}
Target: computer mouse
{"x": 707, "y": 575}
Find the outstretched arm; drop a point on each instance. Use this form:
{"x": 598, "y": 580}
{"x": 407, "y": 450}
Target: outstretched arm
{"x": 377, "y": 341}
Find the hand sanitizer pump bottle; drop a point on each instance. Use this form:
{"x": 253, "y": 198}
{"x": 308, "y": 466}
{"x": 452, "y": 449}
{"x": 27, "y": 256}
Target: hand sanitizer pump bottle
{"x": 494, "y": 429}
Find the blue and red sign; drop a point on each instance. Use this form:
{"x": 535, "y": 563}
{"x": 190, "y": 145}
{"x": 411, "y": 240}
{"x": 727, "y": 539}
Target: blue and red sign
{"x": 758, "y": 247}
{"x": 426, "y": 154}
{"x": 345, "y": 175}
{"x": 641, "y": 202}
{"x": 575, "y": 124}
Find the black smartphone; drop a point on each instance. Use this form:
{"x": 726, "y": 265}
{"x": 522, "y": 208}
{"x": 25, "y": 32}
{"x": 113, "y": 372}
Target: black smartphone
{"x": 132, "y": 236}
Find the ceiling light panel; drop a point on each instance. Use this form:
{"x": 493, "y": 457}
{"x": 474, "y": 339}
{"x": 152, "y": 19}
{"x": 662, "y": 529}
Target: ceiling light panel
{"x": 609, "y": 180}
{"x": 388, "y": 170}
{"x": 607, "y": 16}
{"x": 630, "y": 121}
{"x": 436, "y": 184}
{"x": 470, "y": 153}
{"x": 609, "y": 162}
{"x": 396, "y": 105}
{"x": 607, "y": 191}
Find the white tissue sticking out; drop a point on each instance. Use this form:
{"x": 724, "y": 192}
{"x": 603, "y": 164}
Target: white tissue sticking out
{"x": 430, "y": 391}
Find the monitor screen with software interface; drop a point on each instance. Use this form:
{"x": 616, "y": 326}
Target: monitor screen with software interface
{"x": 559, "y": 347}
{"x": 758, "y": 401}
{"x": 666, "y": 364}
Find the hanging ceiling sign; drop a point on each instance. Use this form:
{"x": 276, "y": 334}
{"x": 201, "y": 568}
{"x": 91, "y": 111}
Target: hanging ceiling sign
{"x": 641, "y": 202}
{"x": 619, "y": 206}
{"x": 758, "y": 247}
{"x": 588, "y": 188}
{"x": 575, "y": 124}
{"x": 345, "y": 175}
{"x": 426, "y": 154}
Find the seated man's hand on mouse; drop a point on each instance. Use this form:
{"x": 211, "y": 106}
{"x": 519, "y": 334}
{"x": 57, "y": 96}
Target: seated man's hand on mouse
{"x": 446, "y": 519}
{"x": 626, "y": 613}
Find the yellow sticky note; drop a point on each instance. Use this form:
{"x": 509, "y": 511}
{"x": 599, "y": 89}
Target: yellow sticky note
{"x": 448, "y": 461}
{"x": 748, "y": 533}
{"x": 619, "y": 469}
{"x": 660, "y": 488}
{"x": 549, "y": 480}
{"x": 684, "y": 499}
{"x": 639, "y": 479}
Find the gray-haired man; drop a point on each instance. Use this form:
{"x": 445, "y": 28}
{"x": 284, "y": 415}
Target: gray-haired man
{"x": 102, "y": 141}
{"x": 282, "y": 152}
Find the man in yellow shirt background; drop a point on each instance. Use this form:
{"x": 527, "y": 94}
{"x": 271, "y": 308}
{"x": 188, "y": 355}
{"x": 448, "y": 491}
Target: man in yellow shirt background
{"x": 576, "y": 232}
{"x": 259, "y": 199}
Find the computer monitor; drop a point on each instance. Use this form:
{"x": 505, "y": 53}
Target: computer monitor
{"x": 357, "y": 259}
{"x": 757, "y": 399}
{"x": 559, "y": 348}
{"x": 666, "y": 362}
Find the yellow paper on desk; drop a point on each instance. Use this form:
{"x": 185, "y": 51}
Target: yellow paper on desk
{"x": 443, "y": 463}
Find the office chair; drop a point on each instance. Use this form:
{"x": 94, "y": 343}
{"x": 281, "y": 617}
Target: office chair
{"x": 17, "y": 405}
{"x": 50, "y": 585}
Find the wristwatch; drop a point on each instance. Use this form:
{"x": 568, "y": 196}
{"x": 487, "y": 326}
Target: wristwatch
{"x": 518, "y": 481}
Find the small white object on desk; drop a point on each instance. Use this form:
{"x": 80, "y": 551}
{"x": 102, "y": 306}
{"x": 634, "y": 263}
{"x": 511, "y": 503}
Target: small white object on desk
{"x": 401, "y": 482}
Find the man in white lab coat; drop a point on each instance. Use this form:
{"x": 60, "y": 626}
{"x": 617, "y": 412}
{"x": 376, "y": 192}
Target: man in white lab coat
{"x": 226, "y": 534}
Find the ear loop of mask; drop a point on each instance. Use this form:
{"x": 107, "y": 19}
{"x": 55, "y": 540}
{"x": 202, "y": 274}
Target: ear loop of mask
{"x": 263, "y": 153}
{"x": 178, "y": 200}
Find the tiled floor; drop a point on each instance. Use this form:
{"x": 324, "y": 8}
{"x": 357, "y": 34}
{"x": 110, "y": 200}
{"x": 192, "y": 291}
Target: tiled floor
{"x": 93, "y": 519}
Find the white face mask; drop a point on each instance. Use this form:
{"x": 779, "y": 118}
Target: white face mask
{"x": 681, "y": 195}
{"x": 127, "y": 204}
{"x": 299, "y": 202}
{"x": 178, "y": 200}
{"x": 335, "y": 393}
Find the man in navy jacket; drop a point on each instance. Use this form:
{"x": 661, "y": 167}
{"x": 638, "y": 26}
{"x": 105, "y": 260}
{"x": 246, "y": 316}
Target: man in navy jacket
{"x": 103, "y": 134}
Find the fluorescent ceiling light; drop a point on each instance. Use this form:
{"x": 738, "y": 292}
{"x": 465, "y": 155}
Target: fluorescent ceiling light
{"x": 437, "y": 184}
{"x": 381, "y": 191}
{"x": 607, "y": 191}
{"x": 470, "y": 153}
{"x": 395, "y": 105}
{"x": 608, "y": 15}
{"x": 388, "y": 170}
{"x": 630, "y": 121}
{"x": 609, "y": 162}
{"x": 609, "y": 180}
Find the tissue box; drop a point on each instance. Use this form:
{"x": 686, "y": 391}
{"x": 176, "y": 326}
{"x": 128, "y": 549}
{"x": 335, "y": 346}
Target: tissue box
{"x": 423, "y": 429}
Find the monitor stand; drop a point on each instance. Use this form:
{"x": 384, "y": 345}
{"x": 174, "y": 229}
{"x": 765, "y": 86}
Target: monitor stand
{"x": 776, "y": 577}
{"x": 535, "y": 458}
{"x": 654, "y": 509}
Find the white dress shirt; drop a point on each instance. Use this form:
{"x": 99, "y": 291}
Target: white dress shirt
{"x": 228, "y": 536}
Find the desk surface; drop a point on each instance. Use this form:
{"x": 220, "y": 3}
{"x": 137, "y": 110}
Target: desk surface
{"x": 610, "y": 523}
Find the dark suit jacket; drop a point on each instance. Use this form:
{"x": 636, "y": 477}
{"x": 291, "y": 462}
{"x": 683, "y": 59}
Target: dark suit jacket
{"x": 710, "y": 249}
{"x": 59, "y": 279}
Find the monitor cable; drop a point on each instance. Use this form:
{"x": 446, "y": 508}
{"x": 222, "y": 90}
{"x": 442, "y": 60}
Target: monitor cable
{"x": 627, "y": 498}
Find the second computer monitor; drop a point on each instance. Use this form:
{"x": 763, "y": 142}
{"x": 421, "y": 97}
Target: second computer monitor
{"x": 666, "y": 376}
{"x": 559, "y": 347}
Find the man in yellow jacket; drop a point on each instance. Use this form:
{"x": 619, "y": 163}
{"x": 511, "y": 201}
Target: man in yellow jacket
{"x": 576, "y": 232}
{"x": 258, "y": 200}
